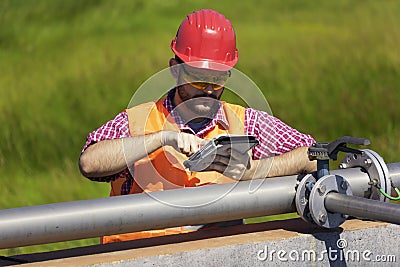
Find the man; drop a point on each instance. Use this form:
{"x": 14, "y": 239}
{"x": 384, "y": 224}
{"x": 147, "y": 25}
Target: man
{"x": 142, "y": 149}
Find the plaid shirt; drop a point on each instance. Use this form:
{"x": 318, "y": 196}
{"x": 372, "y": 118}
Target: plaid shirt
{"x": 274, "y": 136}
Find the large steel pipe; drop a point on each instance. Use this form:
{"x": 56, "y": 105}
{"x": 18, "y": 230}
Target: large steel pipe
{"x": 158, "y": 210}
{"x": 362, "y": 208}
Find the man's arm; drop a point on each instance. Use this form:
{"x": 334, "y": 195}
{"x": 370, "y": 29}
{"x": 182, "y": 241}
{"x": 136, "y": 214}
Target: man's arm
{"x": 240, "y": 167}
{"x": 108, "y": 157}
{"x": 293, "y": 162}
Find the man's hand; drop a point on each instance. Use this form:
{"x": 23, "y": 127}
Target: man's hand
{"x": 230, "y": 163}
{"x": 184, "y": 143}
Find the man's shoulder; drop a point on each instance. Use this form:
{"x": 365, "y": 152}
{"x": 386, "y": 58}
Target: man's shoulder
{"x": 257, "y": 112}
{"x": 141, "y": 106}
{"x": 250, "y": 112}
{"x": 144, "y": 107}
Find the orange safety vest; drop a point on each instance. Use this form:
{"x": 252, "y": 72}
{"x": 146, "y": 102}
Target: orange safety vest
{"x": 163, "y": 169}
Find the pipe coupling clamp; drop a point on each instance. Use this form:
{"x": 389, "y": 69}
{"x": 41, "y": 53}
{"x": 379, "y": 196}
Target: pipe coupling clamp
{"x": 310, "y": 198}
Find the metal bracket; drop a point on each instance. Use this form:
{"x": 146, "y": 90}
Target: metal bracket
{"x": 376, "y": 168}
{"x": 323, "y": 152}
{"x": 325, "y": 185}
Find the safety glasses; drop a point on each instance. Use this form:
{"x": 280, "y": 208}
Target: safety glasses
{"x": 202, "y": 81}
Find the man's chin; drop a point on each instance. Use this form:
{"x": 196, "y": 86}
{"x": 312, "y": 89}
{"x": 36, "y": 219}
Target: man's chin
{"x": 201, "y": 108}
{"x": 202, "y": 111}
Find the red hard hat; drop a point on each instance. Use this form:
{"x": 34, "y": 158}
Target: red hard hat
{"x": 206, "y": 39}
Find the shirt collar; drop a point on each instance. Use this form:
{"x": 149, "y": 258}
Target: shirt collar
{"x": 219, "y": 117}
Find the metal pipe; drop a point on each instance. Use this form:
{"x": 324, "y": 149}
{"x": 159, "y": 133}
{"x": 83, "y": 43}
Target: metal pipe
{"x": 157, "y": 210}
{"x": 394, "y": 170}
{"x": 138, "y": 212}
{"x": 358, "y": 180}
{"x": 362, "y": 208}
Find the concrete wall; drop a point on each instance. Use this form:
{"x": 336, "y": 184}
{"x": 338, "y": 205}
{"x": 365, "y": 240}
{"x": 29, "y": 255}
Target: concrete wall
{"x": 289, "y": 243}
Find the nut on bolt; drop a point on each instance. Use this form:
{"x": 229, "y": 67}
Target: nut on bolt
{"x": 303, "y": 201}
{"x": 322, "y": 217}
{"x": 368, "y": 162}
{"x": 322, "y": 189}
{"x": 343, "y": 185}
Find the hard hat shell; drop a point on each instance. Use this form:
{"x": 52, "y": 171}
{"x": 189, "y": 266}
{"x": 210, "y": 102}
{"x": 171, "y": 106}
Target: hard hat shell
{"x": 206, "y": 39}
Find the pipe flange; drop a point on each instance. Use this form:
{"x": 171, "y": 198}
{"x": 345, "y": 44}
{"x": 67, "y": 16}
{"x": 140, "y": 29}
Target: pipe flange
{"x": 302, "y": 195}
{"x": 325, "y": 185}
{"x": 376, "y": 168}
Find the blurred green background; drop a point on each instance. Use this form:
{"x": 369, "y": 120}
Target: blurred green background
{"x": 328, "y": 68}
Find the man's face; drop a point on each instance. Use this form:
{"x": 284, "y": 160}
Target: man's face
{"x": 198, "y": 91}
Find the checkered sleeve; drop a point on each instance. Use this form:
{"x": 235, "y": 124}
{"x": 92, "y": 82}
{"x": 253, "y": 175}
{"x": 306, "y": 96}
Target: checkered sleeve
{"x": 274, "y": 136}
{"x": 113, "y": 129}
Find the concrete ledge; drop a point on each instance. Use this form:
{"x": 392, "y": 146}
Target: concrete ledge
{"x": 292, "y": 242}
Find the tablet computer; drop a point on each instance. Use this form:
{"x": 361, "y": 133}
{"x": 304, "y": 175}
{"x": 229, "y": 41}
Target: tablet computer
{"x": 222, "y": 144}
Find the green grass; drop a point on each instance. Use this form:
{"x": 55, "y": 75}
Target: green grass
{"x": 330, "y": 68}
